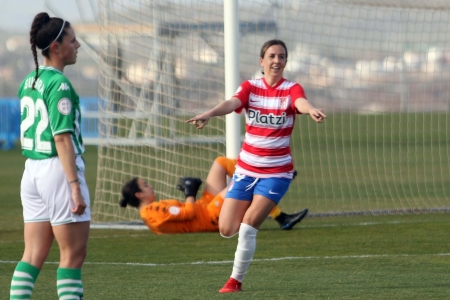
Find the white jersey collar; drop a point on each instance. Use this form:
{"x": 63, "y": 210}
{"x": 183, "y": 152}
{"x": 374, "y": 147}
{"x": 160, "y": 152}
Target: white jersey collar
{"x": 49, "y": 68}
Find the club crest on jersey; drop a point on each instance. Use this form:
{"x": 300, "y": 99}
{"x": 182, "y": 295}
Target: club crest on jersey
{"x": 63, "y": 87}
{"x": 64, "y": 106}
{"x": 255, "y": 116}
{"x": 284, "y": 102}
{"x": 174, "y": 210}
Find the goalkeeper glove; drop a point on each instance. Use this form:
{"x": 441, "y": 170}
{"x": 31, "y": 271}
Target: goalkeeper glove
{"x": 189, "y": 185}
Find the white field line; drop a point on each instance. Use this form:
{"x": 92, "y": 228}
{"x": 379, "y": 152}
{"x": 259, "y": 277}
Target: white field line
{"x": 255, "y": 260}
{"x": 91, "y": 237}
{"x": 298, "y": 226}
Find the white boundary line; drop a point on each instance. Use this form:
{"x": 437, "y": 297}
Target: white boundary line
{"x": 143, "y": 227}
{"x": 90, "y": 237}
{"x": 299, "y": 226}
{"x": 255, "y": 260}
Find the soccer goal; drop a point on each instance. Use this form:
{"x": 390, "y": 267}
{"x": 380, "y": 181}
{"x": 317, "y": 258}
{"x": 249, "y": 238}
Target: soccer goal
{"x": 379, "y": 69}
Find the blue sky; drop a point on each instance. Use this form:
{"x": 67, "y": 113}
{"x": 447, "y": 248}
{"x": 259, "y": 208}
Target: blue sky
{"x": 17, "y": 15}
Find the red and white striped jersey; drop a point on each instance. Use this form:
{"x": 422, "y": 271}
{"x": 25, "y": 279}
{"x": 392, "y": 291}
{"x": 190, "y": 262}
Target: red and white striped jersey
{"x": 269, "y": 117}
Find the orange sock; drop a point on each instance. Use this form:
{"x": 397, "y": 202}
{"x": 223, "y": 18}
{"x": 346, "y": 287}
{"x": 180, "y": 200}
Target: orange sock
{"x": 275, "y": 212}
{"x": 228, "y": 164}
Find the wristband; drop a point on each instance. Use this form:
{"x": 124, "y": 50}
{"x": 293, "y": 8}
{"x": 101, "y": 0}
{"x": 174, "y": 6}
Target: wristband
{"x": 73, "y": 181}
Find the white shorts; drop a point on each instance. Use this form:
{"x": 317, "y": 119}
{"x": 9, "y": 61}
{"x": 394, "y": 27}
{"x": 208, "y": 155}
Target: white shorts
{"x": 46, "y": 194}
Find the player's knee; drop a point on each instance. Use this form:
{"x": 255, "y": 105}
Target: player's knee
{"x": 228, "y": 233}
{"x": 73, "y": 257}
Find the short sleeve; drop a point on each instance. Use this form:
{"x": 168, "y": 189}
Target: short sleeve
{"x": 296, "y": 92}
{"x": 61, "y": 102}
{"x": 242, "y": 94}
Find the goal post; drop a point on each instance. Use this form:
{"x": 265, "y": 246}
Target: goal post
{"x": 380, "y": 70}
{"x": 231, "y": 63}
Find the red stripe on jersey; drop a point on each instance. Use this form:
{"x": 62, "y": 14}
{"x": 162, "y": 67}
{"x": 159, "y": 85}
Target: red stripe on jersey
{"x": 266, "y": 132}
{"x": 268, "y": 170}
{"x": 266, "y": 152}
{"x": 270, "y": 113}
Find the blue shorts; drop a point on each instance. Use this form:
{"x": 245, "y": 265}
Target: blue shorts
{"x": 243, "y": 187}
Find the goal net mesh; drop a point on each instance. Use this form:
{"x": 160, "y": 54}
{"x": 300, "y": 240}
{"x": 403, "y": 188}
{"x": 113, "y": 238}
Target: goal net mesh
{"x": 378, "y": 69}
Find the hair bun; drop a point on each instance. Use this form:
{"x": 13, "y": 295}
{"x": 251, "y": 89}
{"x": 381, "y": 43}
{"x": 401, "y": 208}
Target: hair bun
{"x": 43, "y": 16}
{"x": 123, "y": 203}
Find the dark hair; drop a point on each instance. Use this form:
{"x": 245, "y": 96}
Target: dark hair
{"x": 129, "y": 191}
{"x": 269, "y": 44}
{"x": 45, "y": 31}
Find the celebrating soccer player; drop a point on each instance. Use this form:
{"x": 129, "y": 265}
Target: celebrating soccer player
{"x": 264, "y": 169}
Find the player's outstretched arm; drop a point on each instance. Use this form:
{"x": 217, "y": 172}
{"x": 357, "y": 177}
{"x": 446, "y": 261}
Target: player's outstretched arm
{"x": 304, "y": 107}
{"x": 221, "y": 109}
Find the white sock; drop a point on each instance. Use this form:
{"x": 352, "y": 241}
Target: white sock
{"x": 244, "y": 253}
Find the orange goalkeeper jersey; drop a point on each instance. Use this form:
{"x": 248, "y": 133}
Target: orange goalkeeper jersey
{"x": 173, "y": 216}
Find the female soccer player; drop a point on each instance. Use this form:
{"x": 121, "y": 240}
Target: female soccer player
{"x": 172, "y": 216}
{"x": 264, "y": 169}
{"x": 54, "y": 194}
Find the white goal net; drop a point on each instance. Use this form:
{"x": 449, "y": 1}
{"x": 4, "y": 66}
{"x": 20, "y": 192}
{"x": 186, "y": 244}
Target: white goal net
{"x": 379, "y": 70}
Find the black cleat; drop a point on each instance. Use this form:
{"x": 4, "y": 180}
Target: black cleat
{"x": 189, "y": 185}
{"x": 288, "y": 221}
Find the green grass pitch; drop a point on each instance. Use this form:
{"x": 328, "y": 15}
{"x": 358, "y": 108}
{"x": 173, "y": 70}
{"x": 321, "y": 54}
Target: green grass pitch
{"x": 361, "y": 257}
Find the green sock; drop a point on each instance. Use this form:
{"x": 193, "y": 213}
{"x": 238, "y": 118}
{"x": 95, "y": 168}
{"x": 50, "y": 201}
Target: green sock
{"x": 68, "y": 283}
{"x": 23, "y": 280}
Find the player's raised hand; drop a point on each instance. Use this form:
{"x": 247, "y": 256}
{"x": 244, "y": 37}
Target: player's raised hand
{"x": 189, "y": 185}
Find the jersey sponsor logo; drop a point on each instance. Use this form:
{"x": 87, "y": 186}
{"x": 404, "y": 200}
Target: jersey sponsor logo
{"x": 64, "y": 87}
{"x": 174, "y": 210}
{"x": 255, "y": 116}
{"x": 273, "y": 193}
{"x": 64, "y": 106}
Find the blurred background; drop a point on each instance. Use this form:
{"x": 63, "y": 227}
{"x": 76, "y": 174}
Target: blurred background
{"x": 379, "y": 69}
{"x": 16, "y": 60}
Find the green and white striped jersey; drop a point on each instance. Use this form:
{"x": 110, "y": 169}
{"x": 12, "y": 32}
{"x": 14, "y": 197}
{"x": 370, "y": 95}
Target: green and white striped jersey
{"x": 52, "y": 108}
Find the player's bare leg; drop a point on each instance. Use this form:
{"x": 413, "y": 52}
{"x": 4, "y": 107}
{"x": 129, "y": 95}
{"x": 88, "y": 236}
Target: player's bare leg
{"x": 38, "y": 238}
{"x": 254, "y": 216}
{"x": 72, "y": 241}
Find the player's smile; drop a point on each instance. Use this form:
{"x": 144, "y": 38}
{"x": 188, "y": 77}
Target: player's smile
{"x": 274, "y": 61}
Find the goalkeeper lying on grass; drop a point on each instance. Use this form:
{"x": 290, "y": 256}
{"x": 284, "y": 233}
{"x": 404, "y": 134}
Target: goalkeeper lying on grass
{"x": 173, "y": 216}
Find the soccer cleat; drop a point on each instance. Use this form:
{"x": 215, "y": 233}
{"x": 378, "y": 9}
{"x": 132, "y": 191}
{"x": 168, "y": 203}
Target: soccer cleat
{"x": 232, "y": 286}
{"x": 288, "y": 221}
{"x": 189, "y": 185}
